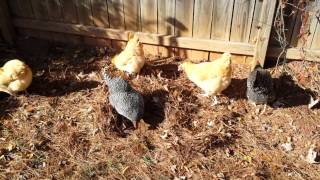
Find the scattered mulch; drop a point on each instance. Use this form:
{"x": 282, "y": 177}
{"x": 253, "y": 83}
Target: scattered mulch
{"x": 64, "y": 128}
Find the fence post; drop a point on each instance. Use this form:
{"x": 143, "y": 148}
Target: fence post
{"x": 265, "y": 25}
{"x": 6, "y": 28}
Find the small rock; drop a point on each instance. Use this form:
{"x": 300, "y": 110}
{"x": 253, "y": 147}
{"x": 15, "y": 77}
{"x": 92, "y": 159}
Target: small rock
{"x": 173, "y": 168}
{"x": 287, "y": 146}
{"x": 221, "y": 176}
{"x": 164, "y": 134}
{"x": 210, "y": 123}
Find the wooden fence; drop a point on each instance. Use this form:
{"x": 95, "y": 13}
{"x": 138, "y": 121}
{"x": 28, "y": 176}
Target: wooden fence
{"x": 189, "y": 28}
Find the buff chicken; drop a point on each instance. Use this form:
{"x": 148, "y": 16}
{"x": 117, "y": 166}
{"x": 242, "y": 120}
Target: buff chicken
{"x": 15, "y": 76}
{"x": 212, "y": 77}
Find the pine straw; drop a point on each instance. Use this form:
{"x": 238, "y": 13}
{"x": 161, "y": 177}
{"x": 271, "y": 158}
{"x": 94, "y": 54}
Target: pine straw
{"x": 63, "y": 128}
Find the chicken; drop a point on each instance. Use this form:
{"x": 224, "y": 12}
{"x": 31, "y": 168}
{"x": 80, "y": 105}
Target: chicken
{"x": 260, "y": 88}
{"x": 131, "y": 59}
{"x": 124, "y": 99}
{"x": 212, "y": 77}
{"x": 15, "y": 76}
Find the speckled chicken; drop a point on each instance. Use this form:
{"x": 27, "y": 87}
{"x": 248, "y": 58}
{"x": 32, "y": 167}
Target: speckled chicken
{"x": 124, "y": 99}
{"x": 260, "y": 88}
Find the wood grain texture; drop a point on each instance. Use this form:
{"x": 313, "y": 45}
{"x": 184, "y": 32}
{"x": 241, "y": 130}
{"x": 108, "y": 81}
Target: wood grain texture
{"x": 116, "y": 20}
{"x": 132, "y": 13}
{"x": 314, "y": 23}
{"x": 15, "y": 8}
{"x": 295, "y": 53}
{"x": 242, "y": 19}
{"x": 116, "y": 14}
{"x": 69, "y": 11}
{"x": 184, "y": 23}
{"x": 147, "y": 38}
{"x": 55, "y": 10}
{"x": 202, "y": 25}
{"x": 316, "y": 39}
{"x": 255, "y": 22}
{"x": 6, "y": 28}
{"x": 149, "y": 20}
{"x": 166, "y": 20}
{"x": 265, "y": 24}
{"x": 26, "y": 8}
{"x": 222, "y": 18}
{"x": 40, "y": 9}
{"x": 100, "y": 13}
{"x": 166, "y": 17}
{"x": 184, "y": 18}
{"x": 84, "y": 12}
{"x": 149, "y": 16}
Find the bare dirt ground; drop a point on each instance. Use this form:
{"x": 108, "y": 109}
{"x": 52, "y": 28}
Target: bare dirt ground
{"x": 64, "y": 128}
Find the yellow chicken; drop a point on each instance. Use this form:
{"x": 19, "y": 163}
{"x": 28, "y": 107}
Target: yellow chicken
{"x": 131, "y": 59}
{"x": 15, "y": 76}
{"x": 212, "y": 77}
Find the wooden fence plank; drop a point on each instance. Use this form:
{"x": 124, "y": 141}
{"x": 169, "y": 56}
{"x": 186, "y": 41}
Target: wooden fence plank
{"x": 149, "y": 16}
{"x": 296, "y": 54}
{"x": 84, "y": 12}
{"x": 166, "y": 20}
{"x": 132, "y": 14}
{"x": 184, "y": 18}
{"x": 100, "y": 19}
{"x": 149, "y": 20}
{"x": 221, "y": 24}
{"x": 26, "y": 8}
{"x": 55, "y": 10}
{"x": 202, "y": 25}
{"x": 69, "y": 11}
{"x": 316, "y": 40}
{"x": 265, "y": 24}
{"x": 315, "y": 7}
{"x": 116, "y": 19}
{"x": 242, "y": 19}
{"x": 40, "y": 9}
{"x": 255, "y": 22}
{"x": 184, "y": 23}
{"x": 15, "y": 8}
{"x": 155, "y": 39}
{"x": 116, "y": 14}
{"x": 100, "y": 13}
{"x": 6, "y": 27}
